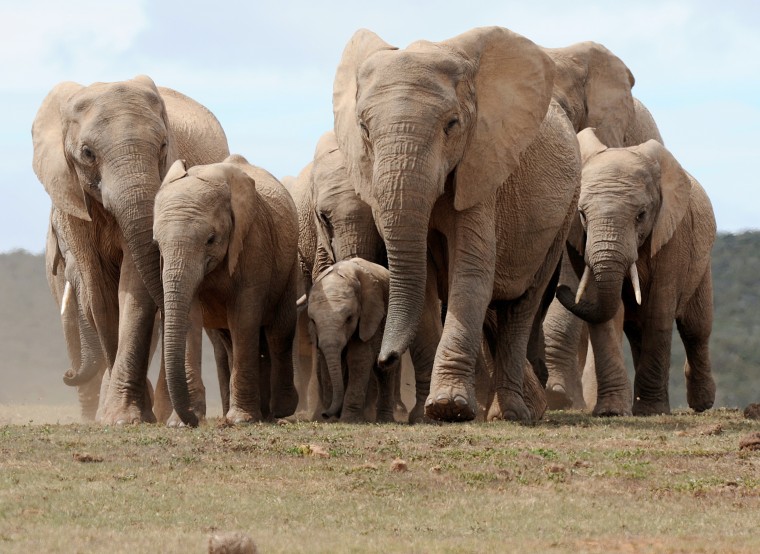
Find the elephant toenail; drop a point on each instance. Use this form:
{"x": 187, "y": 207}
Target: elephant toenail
{"x": 443, "y": 399}
{"x": 460, "y": 401}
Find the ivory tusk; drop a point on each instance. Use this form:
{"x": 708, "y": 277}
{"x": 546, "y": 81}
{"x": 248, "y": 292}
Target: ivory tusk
{"x": 635, "y": 281}
{"x": 582, "y": 285}
{"x": 66, "y": 297}
{"x": 301, "y": 301}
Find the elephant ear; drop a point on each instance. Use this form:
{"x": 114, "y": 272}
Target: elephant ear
{"x": 589, "y": 143}
{"x": 513, "y": 86}
{"x": 373, "y": 298}
{"x": 242, "y": 201}
{"x": 53, "y": 254}
{"x": 50, "y": 163}
{"x": 675, "y": 187}
{"x": 609, "y": 101}
{"x": 176, "y": 171}
{"x": 362, "y": 45}
{"x": 327, "y": 143}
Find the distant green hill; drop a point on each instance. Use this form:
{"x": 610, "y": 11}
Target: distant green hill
{"x": 33, "y": 354}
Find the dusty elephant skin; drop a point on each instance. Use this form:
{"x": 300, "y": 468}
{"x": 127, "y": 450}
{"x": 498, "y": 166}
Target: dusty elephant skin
{"x": 593, "y": 86}
{"x": 227, "y": 234}
{"x": 101, "y": 151}
{"x": 347, "y": 308}
{"x": 649, "y": 230}
{"x": 456, "y": 146}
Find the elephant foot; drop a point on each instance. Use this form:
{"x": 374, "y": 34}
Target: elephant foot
{"x": 350, "y": 417}
{"x": 451, "y": 402}
{"x": 649, "y": 408}
{"x": 700, "y": 394}
{"x": 612, "y": 406}
{"x": 417, "y": 415}
{"x": 124, "y": 415}
{"x": 557, "y": 397}
{"x": 238, "y": 416}
{"x": 509, "y": 406}
{"x": 175, "y": 421}
{"x": 285, "y": 403}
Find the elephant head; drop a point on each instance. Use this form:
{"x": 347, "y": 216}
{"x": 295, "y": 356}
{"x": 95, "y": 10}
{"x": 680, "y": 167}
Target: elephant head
{"x": 344, "y": 223}
{"x": 347, "y": 300}
{"x": 202, "y": 217}
{"x": 632, "y": 200}
{"x": 110, "y": 144}
{"x": 593, "y": 86}
{"x": 449, "y": 118}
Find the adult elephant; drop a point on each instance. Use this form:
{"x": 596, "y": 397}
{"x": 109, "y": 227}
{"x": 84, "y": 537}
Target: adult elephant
{"x": 593, "y": 86}
{"x": 458, "y": 150}
{"x": 101, "y": 151}
{"x": 649, "y": 231}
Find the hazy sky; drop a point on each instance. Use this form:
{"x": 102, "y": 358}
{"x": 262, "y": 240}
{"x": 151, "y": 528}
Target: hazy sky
{"x": 266, "y": 72}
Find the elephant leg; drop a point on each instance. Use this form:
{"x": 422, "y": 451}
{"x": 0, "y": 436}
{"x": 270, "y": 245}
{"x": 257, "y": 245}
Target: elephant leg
{"x": 302, "y": 363}
{"x": 588, "y": 378}
{"x": 265, "y": 379}
{"x": 245, "y": 392}
{"x": 220, "y": 340}
{"x": 424, "y": 346}
{"x": 126, "y": 399}
{"x": 280, "y": 337}
{"x": 613, "y": 389}
{"x": 694, "y": 328}
{"x": 193, "y": 356}
{"x": 471, "y": 250}
{"x": 360, "y": 359}
{"x": 162, "y": 404}
{"x": 89, "y": 396}
{"x": 650, "y": 385}
{"x": 633, "y": 333}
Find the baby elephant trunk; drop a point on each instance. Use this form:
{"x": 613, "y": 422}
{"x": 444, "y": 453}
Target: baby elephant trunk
{"x": 335, "y": 369}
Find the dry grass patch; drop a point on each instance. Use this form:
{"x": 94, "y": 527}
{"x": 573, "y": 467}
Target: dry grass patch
{"x": 571, "y": 483}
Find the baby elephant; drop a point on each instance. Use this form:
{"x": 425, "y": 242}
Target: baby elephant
{"x": 347, "y": 307}
{"x": 647, "y": 233}
{"x": 227, "y": 233}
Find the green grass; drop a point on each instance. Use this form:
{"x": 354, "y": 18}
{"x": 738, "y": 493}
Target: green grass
{"x": 572, "y": 483}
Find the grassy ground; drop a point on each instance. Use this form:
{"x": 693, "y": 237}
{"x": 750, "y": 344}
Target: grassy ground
{"x": 570, "y": 484}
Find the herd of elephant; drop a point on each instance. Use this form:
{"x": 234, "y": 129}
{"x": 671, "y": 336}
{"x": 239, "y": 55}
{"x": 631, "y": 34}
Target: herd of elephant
{"x": 504, "y": 212}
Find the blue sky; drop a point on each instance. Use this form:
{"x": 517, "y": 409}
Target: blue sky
{"x": 266, "y": 72}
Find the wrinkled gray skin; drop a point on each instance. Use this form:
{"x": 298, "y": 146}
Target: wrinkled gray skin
{"x": 101, "y": 152}
{"x": 593, "y": 86}
{"x": 459, "y": 153}
{"x": 646, "y": 220}
{"x": 346, "y": 314}
{"x": 227, "y": 234}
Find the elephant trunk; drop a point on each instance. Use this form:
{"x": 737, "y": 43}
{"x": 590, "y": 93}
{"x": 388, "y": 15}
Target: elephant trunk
{"x": 335, "y": 368}
{"x": 133, "y": 182}
{"x": 91, "y": 359}
{"x": 608, "y": 267}
{"x": 181, "y": 280}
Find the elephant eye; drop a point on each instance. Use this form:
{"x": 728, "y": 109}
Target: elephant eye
{"x": 641, "y": 216}
{"x": 583, "y": 217}
{"x": 450, "y": 125}
{"x": 87, "y": 154}
{"x": 211, "y": 239}
{"x": 365, "y": 130}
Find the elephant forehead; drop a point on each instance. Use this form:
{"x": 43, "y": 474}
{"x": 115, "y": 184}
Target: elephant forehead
{"x": 616, "y": 165}
{"x": 193, "y": 190}
{"x": 117, "y": 95}
{"x": 433, "y": 67}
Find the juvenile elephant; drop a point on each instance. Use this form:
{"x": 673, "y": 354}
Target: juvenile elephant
{"x": 227, "y": 234}
{"x": 346, "y": 312}
{"x": 460, "y": 153}
{"x": 649, "y": 230}
{"x": 593, "y": 86}
{"x": 101, "y": 151}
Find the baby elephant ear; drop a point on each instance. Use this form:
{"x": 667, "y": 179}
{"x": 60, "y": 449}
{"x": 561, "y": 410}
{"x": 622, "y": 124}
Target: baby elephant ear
{"x": 176, "y": 172}
{"x": 675, "y": 187}
{"x": 589, "y": 144}
{"x": 373, "y": 299}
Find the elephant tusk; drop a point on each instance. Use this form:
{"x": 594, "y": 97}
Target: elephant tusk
{"x": 583, "y": 284}
{"x": 301, "y": 301}
{"x": 635, "y": 281}
{"x": 66, "y": 297}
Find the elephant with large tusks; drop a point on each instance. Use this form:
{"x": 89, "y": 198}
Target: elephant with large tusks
{"x": 461, "y": 154}
{"x": 101, "y": 152}
{"x": 649, "y": 230}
